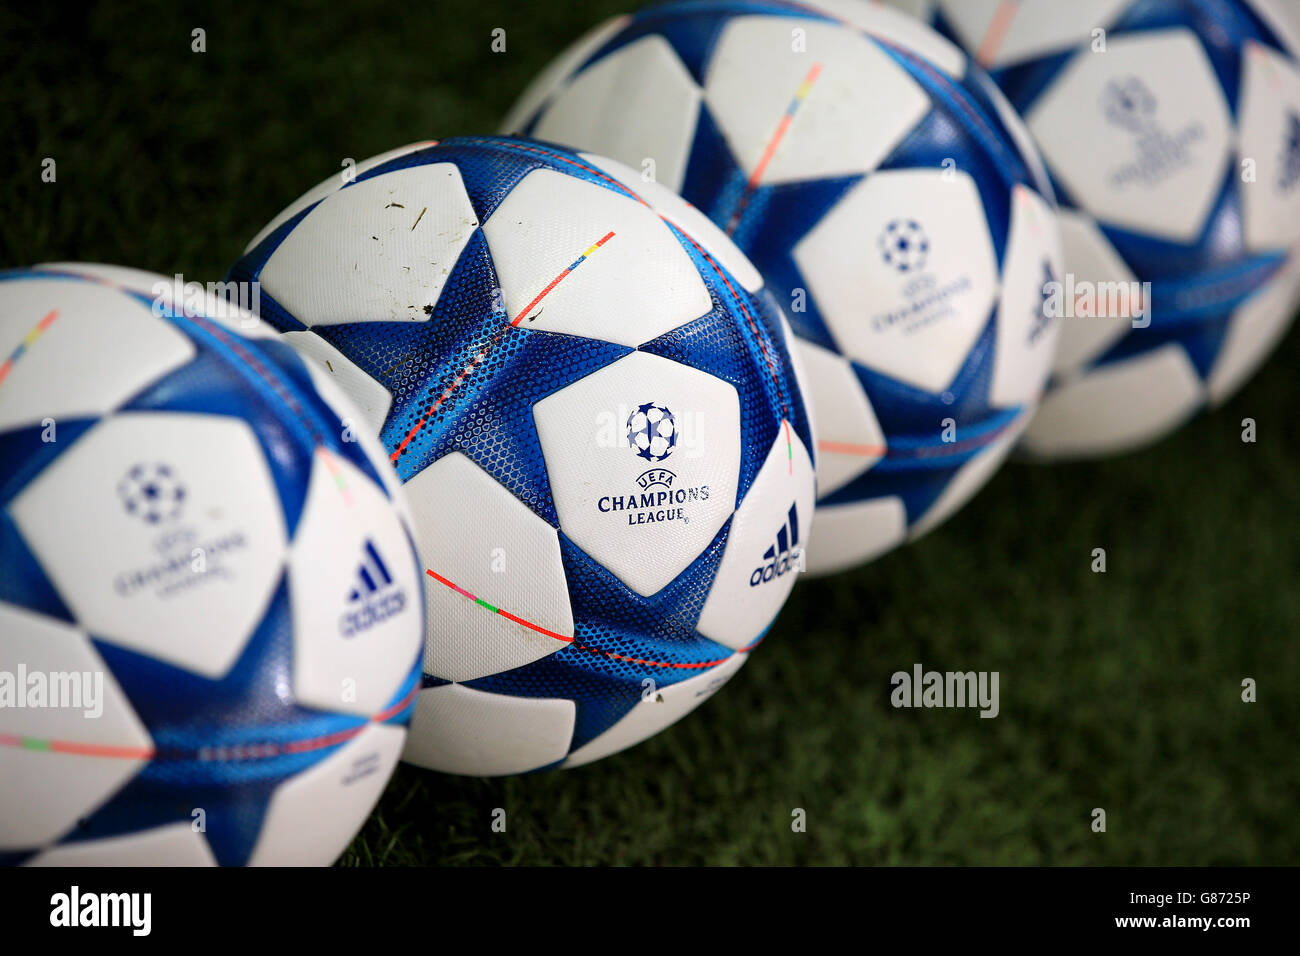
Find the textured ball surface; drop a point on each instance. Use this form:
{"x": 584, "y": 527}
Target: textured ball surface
{"x": 209, "y": 600}
{"x": 1171, "y": 129}
{"x": 892, "y": 202}
{"x": 590, "y": 400}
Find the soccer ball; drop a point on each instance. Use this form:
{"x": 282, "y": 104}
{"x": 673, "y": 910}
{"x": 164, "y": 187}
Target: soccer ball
{"x": 591, "y": 402}
{"x": 889, "y": 198}
{"x": 209, "y": 600}
{"x": 1172, "y": 131}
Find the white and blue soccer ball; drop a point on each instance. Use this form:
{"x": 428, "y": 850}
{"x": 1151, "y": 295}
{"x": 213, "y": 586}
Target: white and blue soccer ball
{"x": 892, "y": 202}
{"x": 590, "y": 400}
{"x": 210, "y": 620}
{"x": 1171, "y": 129}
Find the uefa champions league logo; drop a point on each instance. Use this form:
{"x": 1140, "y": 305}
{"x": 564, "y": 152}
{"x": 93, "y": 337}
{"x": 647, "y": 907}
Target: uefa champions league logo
{"x": 654, "y": 496}
{"x": 151, "y": 493}
{"x": 652, "y": 431}
{"x": 904, "y": 245}
{"x": 1129, "y": 103}
{"x": 188, "y": 550}
{"x": 923, "y": 297}
{"x": 1291, "y": 156}
{"x": 1159, "y": 152}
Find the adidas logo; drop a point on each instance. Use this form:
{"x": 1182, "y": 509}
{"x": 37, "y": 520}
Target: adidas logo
{"x": 784, "y": 556}
{"x": 374, "y": 593}
{"x": 373, "y": 574}
{"x": 1291, "y": 156}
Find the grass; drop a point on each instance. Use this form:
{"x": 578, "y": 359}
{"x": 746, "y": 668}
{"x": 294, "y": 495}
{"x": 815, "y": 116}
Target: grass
{"x": 1119, "y": 690}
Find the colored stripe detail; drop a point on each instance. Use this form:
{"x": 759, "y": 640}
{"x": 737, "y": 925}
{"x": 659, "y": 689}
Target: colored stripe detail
{"x": 496, "y": 610}
{"x": 774, "y": 143}
{"x": 556, "y": 281}
{"x": 223, "y": 753}
{"x": 846, "y": 448}
{"x": 696, "y": 665}
{"x": 27, "y": 342}
{"x": 931, "y": 450}
{"x": 996, "y": 34}
{"x": 465, "y": 373}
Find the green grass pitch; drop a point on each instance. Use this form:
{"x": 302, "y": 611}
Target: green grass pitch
{"x": 1119, "y": 690}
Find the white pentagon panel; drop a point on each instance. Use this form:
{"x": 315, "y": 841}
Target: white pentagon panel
{"x": 668, "y": 705}
{"x": 1116, "y": 407}
{"x": 313, "y": 816}
{"x": 1004, "y": 33}
{"x": 1026, "y": 332}
{"x": 644, "y": 80}
{"x": 766, "y": 547}
{"x": 118, "y": 519}
{"x": 371, "y": 399}
{"x": 177, "y": 844}
{"x": 457, "y": 729}
{"x": 557, "y": 72}
{"x": 904, "y": 273}
{"x": 889, "y": 25}
{"x": 354, "y": 592}
{"x": 644, "y": 514}
{"x": 849, "y": 438}
{"x": 755, "y": 78}
{"x": 353, "y": 426}
{"x": 1140, "y": 136}
{"x": 192, "y": 298}
{"x": 581, "y": 259}
{"x": 1255, "y": 330}
{"x": 970, "y": 478}
{"x": 849, "y": 534}
{"x": 379, "y": 250}
{"x": 85, "y": 348}
{"x": 88, "y": 751}
{"x": 1283, "y": 17}
{"x": 686, "y": 217}
{"x": 118, "y": 277}
{"x": 1269, "y": 127}
{"x": 332, "y": 184}
{"x": 509, "y": 558}
{"x": 1096, "y": 266}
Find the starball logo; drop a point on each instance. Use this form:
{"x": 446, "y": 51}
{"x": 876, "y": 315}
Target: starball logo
{"x": 656, "y": 495}
{"x": 927, "y": 297}
{"x": 186, "y": 556}
{"x": 151, "y": 493}
{"x": 904, "y": 245}
{"x": 1158, "y": 150}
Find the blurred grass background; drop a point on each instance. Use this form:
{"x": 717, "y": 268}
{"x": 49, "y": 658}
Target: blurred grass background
{"x": 1119, "y": 690}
